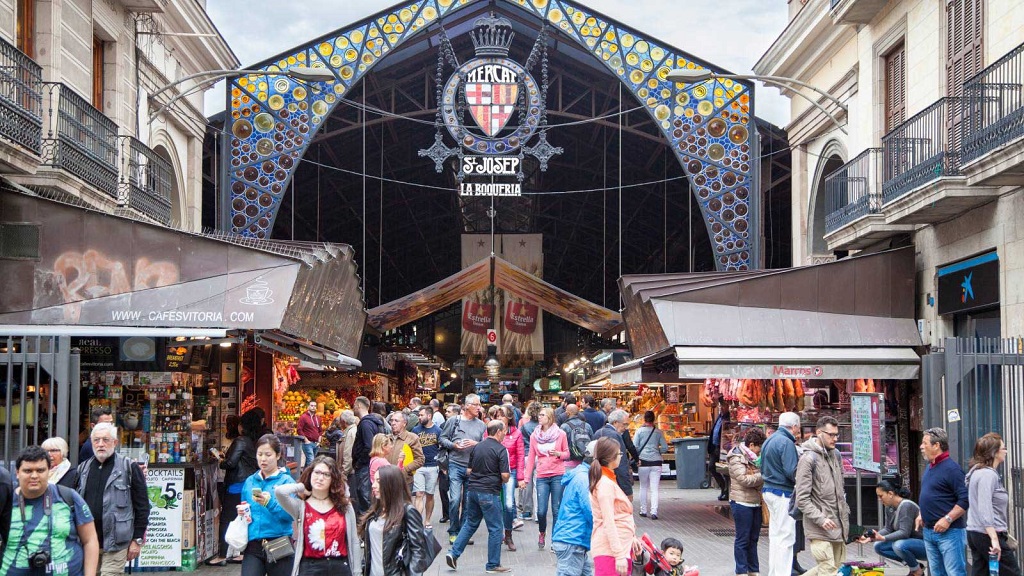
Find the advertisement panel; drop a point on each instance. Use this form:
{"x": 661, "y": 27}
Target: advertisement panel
{"x": 166, "y": 489}
{"x": 477, "y": 308}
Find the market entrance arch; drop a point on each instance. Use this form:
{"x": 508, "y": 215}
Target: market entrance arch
{"x": 708, "y": 127}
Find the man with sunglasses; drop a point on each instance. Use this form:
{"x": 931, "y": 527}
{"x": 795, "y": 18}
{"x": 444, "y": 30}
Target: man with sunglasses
{"x": 52, "y": 530}
{"x": 821, "y": 498}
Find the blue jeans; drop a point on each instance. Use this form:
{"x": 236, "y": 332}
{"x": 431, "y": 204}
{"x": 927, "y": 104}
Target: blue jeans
{"x": 509, "y": 494}
{"x": 947, "y": 551}
{"x": 456, "y": 481}
{"x": 910, "y": 551}
{"x": 550, "y": 486}
{"x": 487, "y": 507}
{"x": 572, "y": 560}
{"x": 748, "y": 529}
{"x": 310, "y": 450}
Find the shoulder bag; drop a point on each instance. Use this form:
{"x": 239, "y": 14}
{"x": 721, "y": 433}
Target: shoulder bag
{"x": 419, "y": 547}
{"x": 448, "y": 432}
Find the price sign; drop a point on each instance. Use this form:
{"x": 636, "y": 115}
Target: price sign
{"x": 165, "y": 488}
{"x": 492, "y": 337}
{"x": 867, "y": 413}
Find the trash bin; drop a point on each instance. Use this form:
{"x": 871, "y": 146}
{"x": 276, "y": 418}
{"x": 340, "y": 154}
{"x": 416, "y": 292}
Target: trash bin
{"x": 691, "y": 461}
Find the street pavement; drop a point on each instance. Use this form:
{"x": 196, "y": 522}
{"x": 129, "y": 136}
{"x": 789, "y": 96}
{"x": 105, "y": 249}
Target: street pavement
{"x": 694, "y": 516}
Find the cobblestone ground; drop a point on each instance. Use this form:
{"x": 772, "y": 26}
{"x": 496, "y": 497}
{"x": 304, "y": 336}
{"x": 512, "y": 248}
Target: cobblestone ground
{"x": 693, "y": 516}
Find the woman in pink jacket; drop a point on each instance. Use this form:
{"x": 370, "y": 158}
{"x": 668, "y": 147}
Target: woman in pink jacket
{"x": 549, "y": 449}
{"x": 513, "y": 442}
{"x": 613, "y": 538}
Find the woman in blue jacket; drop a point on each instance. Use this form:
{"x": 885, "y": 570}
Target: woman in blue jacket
{"x": 269, "y": 520}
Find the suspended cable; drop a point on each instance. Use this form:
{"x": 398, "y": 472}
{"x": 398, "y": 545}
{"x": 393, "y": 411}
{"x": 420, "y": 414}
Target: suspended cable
{"x": 363, "y": 245}
{"x": 380, "y": 226}
{"x": 620, "y": 191}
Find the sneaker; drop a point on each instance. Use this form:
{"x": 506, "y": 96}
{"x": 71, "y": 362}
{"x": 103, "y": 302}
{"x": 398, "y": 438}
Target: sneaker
{"x": 470, "y": 542}
{"x": 643, "y": 514}
{"x": 540, "y": 541}
{"x": 517, "y": 524}
{"x": 451, "y": 539}
{"x": 443, "y": 520}
{"x": 499, "y": 570}
{"x": 452, "y": 561}
{"x": 654, "y": 516}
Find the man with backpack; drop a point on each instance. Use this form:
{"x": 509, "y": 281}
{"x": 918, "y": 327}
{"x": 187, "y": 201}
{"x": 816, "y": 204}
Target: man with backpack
{"x": 68, "y": 544}
{"x": 821, "y": 498}
{"x": 578, "y": 433}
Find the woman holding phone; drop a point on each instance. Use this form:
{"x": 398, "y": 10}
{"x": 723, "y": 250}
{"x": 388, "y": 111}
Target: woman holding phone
{"x": 270, "y": 522}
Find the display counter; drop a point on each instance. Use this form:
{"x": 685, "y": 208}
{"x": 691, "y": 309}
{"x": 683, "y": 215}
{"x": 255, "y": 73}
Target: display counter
{"x": 184, "y": 516}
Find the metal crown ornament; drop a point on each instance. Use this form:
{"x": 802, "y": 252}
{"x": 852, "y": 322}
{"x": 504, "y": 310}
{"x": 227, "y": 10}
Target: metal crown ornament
{"x": 492, "y": 36}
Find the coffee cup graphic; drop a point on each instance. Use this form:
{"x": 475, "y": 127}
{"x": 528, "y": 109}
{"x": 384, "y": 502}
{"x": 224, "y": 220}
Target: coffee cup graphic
{"x": 257, "y": 294}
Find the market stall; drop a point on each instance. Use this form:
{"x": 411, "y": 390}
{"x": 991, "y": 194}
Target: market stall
{"x": 802, "y": 340}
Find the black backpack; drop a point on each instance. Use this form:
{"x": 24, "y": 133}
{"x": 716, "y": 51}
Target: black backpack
{"x": 578, "y": 439}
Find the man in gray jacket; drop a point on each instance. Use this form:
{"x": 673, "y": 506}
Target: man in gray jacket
{"x": 778, "y": 468}
{"x": 822, "y": 499}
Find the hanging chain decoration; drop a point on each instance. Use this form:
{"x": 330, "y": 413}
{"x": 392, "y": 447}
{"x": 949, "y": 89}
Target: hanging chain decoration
{"x": 439, "y": 151}
{"x": 493, "y": 89}
{"x": 543, "y": 150}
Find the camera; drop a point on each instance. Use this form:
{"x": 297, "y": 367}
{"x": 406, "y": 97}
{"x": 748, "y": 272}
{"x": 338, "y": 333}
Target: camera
{"x": 39, "y": 559}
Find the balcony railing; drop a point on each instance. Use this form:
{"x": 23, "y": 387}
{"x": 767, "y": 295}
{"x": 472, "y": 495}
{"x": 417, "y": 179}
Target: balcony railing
{"x": 994, "y": 106}
{"x": 922, "y": 149}
{"x": 80, "y": 139}
{"x": 21, "y": 104}
{"x": 854, "y": 190}
{"x": 145, "y": 181}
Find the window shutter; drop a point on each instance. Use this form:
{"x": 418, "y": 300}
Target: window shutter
{"x": 964, "y": 48}
{"x": 895, "y": 87}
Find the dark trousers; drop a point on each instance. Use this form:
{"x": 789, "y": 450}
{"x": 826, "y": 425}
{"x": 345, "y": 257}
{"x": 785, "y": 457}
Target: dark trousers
{"x": 362, "y": 489}
{"x": 442, "y": 488}
{"x": 748, "y": 529}
{"x": 228, "y": 512}
{"x": 979, "y": 543}
{"x": 255, "y": 562}
{"x": 714, "y": 454}
{"x": 325, "y": 567}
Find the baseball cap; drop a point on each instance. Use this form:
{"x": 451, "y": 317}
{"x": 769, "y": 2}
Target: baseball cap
{"x": 590, "y": 448}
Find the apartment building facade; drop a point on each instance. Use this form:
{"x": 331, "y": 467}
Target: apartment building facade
{"x": 930, "y": 151}
{"x": 80, "y": 82}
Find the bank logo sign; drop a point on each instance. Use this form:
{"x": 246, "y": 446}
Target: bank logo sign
{"x": 492, "y": 107}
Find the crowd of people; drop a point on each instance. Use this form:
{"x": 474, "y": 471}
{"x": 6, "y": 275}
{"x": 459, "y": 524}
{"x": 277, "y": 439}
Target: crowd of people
{"x": 369, "y": 509}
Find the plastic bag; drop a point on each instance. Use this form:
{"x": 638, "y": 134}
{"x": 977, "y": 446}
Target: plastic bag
{"x": 237, "y": 535}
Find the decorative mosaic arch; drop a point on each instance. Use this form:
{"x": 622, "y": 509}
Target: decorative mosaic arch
{"x": 708, "y": 125}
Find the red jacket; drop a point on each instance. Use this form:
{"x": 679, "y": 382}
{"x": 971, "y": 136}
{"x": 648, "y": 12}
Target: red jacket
{"x": 309, "y": 427}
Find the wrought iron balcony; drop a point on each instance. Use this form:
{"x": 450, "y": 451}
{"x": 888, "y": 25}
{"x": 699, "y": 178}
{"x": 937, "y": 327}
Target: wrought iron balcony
{"x": 21, "y": 104}
{"x": 922, "y": 149}
{"x": 145, "y": 180}
{"x": 854, "y": 190}
{"x": 80, "y": 140}
{"x": 994, "y": 106}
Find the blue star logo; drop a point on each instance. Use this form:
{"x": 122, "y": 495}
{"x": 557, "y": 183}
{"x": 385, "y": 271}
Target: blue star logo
{"x": 968, "y": 289}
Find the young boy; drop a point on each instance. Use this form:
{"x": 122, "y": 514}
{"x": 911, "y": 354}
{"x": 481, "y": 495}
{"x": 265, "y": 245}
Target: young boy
{"x": 672, "y": 550}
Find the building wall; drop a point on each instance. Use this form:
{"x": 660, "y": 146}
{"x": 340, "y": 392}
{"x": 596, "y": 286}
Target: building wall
{"x": 822, "y": 53}
{"x": 143, "y": 52}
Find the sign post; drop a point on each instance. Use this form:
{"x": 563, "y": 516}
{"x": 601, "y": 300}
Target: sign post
{"x": 867, "y": 418}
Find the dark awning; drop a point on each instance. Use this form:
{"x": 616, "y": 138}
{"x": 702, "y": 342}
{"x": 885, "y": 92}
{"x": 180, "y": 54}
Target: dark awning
{"x": 848, "y": 319}
{"x": 95, "y": 269}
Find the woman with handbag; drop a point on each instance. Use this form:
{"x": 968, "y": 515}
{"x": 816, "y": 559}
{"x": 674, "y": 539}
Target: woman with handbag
{"x": 651, "y": 445}
{"x": 270, "y": 551}
{"x": 326, "y": 543}
{"x": 745, "y": 500}
{"x": 396, "y": 543}
{"x": 989, "y": 509}
{"x": 238, "y": 464}
{"x": 549, "y": 449}
{"x": 613, "y": 537}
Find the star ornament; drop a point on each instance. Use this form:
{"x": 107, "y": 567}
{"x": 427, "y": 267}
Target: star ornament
{"x": 438, "y": 152}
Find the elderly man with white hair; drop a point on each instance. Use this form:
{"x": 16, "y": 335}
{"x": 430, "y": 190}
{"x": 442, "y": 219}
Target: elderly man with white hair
{"x": 778, "y": 469}
{"x": 61, "y": 472}
{"x": 617, "y": 425}
{"x": 115, "y": 489}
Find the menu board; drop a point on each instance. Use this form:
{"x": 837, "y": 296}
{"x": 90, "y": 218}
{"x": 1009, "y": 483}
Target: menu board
{"x": 166, "y": 488}
{"x": 867, "y": 413}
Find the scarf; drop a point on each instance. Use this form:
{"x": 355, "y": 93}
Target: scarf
{"x": 608, "y": 473}
{"x": 546, "y": 436}
{"x": 58, "y": 471}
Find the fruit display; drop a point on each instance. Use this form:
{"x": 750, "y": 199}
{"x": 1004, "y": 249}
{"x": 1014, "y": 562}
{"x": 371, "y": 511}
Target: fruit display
{"x": 295, "y": 403}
